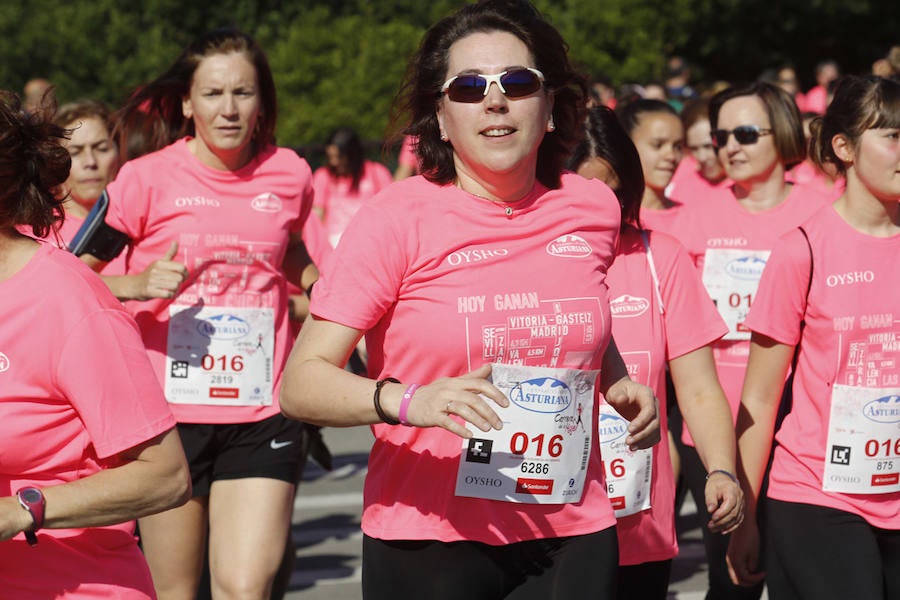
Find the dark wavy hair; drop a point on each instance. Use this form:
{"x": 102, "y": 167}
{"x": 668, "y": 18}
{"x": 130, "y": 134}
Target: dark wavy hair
{"x": 427, "y": 71}
{"x": 33, "y": 163}
{"x": 859, "y": 103}
{"x": 349, "y": 146}
{"x": 605, "y": 138}
{"x": 784, "y": 118}
{"x": 153, "y": 114}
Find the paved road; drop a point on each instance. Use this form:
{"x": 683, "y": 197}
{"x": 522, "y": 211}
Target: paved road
{"x": 326, "y": 529}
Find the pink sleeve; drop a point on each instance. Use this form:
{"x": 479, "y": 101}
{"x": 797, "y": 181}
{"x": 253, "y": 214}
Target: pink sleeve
{"x": 691, "y": 319}
{"x": 780, "y": 300}
{"x": 363, "y": 274}
{"x": 307, "y": 196}
{"x": 381, "y": 176}
{"x": 105, "y": 372}
{"x": 316, "y": 241}
{"x": 129, "y": 201}
{"x": 320, "y": 179}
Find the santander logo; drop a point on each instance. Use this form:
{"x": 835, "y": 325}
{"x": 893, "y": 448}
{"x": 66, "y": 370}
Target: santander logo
{"x": 628, "y": 306}
{"x": 4, "y": 362}
{"x": 569, "y": 246}
{"x": 266, "y": 202}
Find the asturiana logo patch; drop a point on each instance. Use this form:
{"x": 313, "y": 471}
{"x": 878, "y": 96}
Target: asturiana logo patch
{"x": 612, "y": 427}
{"x": 883, "y": 410}
{"x": 542, "y": 395}
{"x": 749, "y": 268}
{"x": 266, "y": 202}
{"x": 628, "y": 306}
{"x": 569, "y": 246}
{"x": 223, "y": 327}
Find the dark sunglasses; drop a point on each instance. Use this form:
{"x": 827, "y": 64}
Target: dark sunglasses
{"x": 473, "y": 87}
{"x": 745, "y": 135}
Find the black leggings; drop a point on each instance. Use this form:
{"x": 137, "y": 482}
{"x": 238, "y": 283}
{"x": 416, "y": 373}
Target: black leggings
{"x": 814, "y": 552}
{"x": 545, "y": 569}
{"x": 716, "y": 544}
{"x": 646, "y": 581}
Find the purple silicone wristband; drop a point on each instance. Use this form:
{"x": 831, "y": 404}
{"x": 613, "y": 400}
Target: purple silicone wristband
{"x": 404, "y": 404}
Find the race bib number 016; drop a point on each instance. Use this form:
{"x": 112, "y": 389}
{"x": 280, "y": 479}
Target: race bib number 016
{"x": 863, "y": 449}
{"x": 541, "y": 454}
{"x": 731, "y": 278}
{"x": 220, "y": 355}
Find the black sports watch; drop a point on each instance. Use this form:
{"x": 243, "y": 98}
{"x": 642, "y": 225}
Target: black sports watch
{"x": 32, "y": 500}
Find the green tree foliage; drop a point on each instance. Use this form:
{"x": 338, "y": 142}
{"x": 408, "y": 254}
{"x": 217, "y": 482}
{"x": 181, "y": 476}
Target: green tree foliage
{"x": 340, "y": 62}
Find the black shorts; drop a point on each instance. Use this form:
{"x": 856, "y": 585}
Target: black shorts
{"x": 272, "y": 448}
{"x": 828, "y": 554}
{"x": 582, "y": 566}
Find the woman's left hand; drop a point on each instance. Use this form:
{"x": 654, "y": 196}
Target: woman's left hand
{"x": 724, "y": 502}
{"x": 637, "y": 404}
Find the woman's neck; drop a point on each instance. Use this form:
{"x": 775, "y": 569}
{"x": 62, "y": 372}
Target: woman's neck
{"x": 764, "y": 193}
{"x": 866, "y": 213}
{"x": 220, "y": 160}
{"x": 15, "y": 252}
{"x": 75, "y": 208}
{"x": 503, "y": 190}
{"x": 654, "y": 199}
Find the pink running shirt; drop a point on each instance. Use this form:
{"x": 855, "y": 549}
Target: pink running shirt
{"x": 851, "y": 338}
{"x": 740, "y": 241}
{"x": 648, "y": 335}
{"x": 688, "y": 184}
{"x": 444, "y": 282}
{"x": 76, "y": 389}
{"x": 662, "y": 219}
{"x": 339, "y": 203}
{"x": 220, "y": 360}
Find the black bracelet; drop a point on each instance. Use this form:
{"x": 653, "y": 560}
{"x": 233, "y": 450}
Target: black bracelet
{"x": 376, "y": 400}
{"x": 727, "y": 474}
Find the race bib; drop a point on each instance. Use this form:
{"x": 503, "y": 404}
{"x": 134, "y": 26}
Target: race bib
{"x": 628, "y": 473}
{"x": 541, "y": 454}
{"x": 220, "y": 355}
{"x": 731, "y": 277}
{"x": 862, "y": 454}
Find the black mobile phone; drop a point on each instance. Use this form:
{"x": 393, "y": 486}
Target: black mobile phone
{"x": 95, "y": 237}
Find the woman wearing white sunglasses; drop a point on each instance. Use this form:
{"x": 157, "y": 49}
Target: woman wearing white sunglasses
{"x": 480, "y": 289}
{"x": 758, "y": 135}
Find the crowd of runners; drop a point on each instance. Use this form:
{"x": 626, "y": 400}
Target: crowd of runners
{"x": 566, "y": 309}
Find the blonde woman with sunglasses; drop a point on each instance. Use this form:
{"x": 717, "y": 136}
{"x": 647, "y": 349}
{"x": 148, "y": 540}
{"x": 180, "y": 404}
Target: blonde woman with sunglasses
{"x": 758, "y": 135}
{"x": 480, "y": 289}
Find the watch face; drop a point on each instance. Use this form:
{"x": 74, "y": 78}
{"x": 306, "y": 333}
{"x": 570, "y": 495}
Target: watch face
{"x": 31, "y": 495}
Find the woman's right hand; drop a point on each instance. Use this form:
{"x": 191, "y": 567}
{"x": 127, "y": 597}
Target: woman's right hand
{"x": 743, "y": 554}
{"x": 13, "y": 518}
{"x": 161, "y": 278}
{"x": 436, "y": 404}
